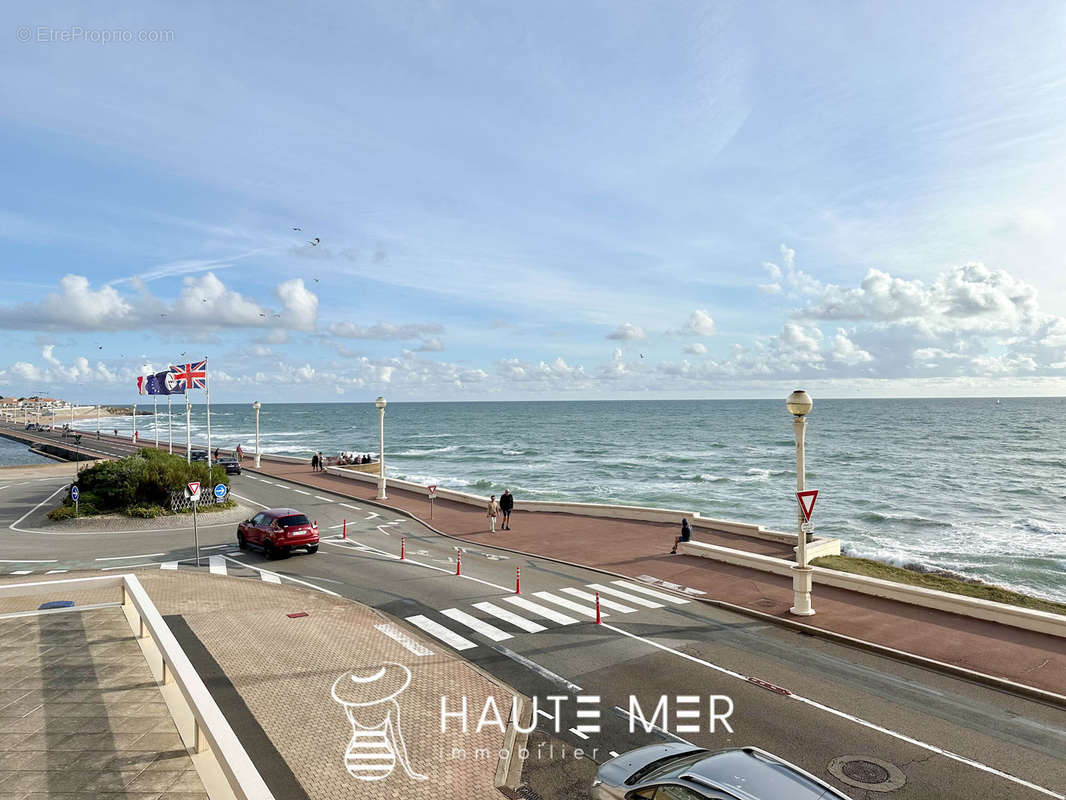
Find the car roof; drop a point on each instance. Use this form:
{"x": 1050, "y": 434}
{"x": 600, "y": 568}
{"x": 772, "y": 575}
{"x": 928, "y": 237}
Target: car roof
{"x": 282, "y": 512}
{"x": 763, "y": 776}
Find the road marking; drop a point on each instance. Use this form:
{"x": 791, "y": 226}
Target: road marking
{"x": 248, "y": 500}
{"x": 288, "y": 577}
{"x": 475, "y": 624}
{"x": 120, "y": 558}
{"x": 130, "y": 566}
{"x": 325, "y": 499}
{"x": 373, "y": 514}
{"x": 301, "y": 491}
{"x": 540, "y": 611}
{"x": 844, "y": 715}
{"x": 55, "y": 571}
{"x": 509, "y": 616}
{"x": 353, "y": 508}
{"x": 217, "y": 565}
{"x": 406, "y": 641}
{"x": 669, "y": 598}
{"x": 169, "y": 565}
{"x": 282, "y": 486}
{"x": 270, "y": 577}
{"x": 352, "y": 544}
{"x": 442, "y": 633}
{"x": 576, "y": 732}
{"x": 603, "y": 600}
{"x": 544, "y": 672}
{"x": 215, "y": 547}
{"x": 22, "y": 572}
{"x": 27, "y": 561}
{"x": 14, "y": 525}
{"x": 629, "y": 598}
{"x": 632, "y": 718}
{"x": 562, "y": 601}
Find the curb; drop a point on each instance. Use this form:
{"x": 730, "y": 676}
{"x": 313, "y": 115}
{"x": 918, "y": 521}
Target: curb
{"x": 993, "y": 681}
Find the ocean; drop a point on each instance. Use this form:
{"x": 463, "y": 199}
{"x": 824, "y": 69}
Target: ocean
{"x": 973, "y": 486}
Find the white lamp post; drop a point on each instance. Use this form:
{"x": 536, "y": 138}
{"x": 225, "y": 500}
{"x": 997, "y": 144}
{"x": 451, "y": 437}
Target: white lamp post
{"x": 380, "y": 403}
{"x": 799, "y": 404}
{"x": 133, "y": 412}
{"x": 256, "y": 406}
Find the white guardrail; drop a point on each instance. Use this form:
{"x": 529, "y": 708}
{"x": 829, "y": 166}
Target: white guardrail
{"x": 224, "y": 766}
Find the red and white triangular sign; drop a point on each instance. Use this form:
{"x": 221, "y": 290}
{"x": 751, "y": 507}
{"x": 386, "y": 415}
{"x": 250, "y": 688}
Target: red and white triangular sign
{"x": 194, "y": 487}
{"x": 807, "y": 502}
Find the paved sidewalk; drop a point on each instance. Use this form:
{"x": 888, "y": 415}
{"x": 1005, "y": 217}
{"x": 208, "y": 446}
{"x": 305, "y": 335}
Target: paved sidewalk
{"x": 76, "y": 718}
{"x": 641, "y": 548}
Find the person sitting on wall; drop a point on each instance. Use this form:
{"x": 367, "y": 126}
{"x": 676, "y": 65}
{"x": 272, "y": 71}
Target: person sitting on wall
{"x": 686, "y": 535}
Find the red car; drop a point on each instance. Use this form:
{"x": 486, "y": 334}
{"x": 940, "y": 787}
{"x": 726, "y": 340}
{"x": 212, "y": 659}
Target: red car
{"x": 278, "y": 531}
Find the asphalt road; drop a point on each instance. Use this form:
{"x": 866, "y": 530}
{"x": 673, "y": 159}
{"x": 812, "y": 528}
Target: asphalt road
{"x": 950, "y": 738}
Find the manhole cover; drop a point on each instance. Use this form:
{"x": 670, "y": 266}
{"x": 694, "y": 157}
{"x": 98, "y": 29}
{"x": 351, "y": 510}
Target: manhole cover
{"x": 866, "y": 772}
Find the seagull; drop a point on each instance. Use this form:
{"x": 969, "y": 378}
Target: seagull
{"x": 162, "y": 315}
{"x": 314, "y": 242}
{"x": 99, "y": 347}
{"x": 297, "y": 229}
{"x": 204, "y": 299}
{"x": 277, "y": 316}
{"x": 642, "y": 355}
{"x": 316, "y": 280}
{"x": 262, "y": 315}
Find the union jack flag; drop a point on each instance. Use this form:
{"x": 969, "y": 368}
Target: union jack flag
{"x": 194, "y": 376}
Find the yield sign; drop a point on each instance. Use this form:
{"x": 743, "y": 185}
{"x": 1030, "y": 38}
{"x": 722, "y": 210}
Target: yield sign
{"x": 807, "y": 502}
{"x": 194, "y": 488}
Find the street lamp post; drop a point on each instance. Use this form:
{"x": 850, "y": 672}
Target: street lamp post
{"x": 799, "y": 404}
{"x": 133, "y": 412}
{"x": 380, "y": 403}
{"x": 256, "y": 406}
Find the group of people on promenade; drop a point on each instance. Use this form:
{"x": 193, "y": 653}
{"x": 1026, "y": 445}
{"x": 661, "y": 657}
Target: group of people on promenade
{"x": 502, "y": 507}
{"x": 319, "y": 461}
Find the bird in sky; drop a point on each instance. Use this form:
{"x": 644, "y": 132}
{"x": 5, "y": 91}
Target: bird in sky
{"x": 297, "y": 229}
{"x": 99, "y": 347}
{"x": 162, "y": 315}
{"x": 314, "y": 242}
{"x": 316, "y": 280}
{"x": 262, "y": 315}
{"x": 642, "y": 355}
{"x": 204, "y": 299}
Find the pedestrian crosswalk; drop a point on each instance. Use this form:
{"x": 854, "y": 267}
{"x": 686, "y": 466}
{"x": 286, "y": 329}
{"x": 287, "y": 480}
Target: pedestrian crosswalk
{"x": 462, "y": 629}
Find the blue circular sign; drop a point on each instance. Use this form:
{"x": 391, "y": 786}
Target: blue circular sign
{"x": 220, "y": 490}
{"x": 73, "y": 492}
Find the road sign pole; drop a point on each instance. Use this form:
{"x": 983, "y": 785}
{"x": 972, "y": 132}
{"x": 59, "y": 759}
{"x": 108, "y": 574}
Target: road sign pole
{"x": 195, "y": 533}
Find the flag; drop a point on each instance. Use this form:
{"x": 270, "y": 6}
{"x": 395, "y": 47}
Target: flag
{"x": 164, "y": 383}
{"x": 194, "y": 376}
{"x": 142, "y": 384}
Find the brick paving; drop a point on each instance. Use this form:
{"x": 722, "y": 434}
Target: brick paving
{"x": 641, "y": 548}
{"x": 81, "y": 715}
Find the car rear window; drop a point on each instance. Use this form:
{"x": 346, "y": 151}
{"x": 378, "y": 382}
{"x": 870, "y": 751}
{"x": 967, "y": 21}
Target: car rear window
{"x": 295, "y": 519}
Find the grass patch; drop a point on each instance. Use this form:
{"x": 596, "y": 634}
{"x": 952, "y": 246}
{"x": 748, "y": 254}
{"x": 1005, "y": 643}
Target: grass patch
{"x": 938, "y": 581}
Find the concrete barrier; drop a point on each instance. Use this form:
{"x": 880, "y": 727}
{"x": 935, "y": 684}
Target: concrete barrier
{"x": 1015, "y": 616}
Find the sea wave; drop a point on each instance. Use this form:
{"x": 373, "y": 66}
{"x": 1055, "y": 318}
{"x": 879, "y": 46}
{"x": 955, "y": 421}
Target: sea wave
{"x": 1039, "y": 526}
{"x": 908, "y": 519}
{"x": 430, "y": 452}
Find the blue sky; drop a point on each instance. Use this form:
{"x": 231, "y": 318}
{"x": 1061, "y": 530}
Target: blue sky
{"x": 548, "y": 200}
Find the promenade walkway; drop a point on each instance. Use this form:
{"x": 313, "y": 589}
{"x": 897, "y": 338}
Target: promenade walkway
{"x": 636, "y": 549}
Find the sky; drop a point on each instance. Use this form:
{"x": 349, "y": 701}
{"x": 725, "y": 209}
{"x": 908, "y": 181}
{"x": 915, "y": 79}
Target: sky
{"x": 502, "y": 201}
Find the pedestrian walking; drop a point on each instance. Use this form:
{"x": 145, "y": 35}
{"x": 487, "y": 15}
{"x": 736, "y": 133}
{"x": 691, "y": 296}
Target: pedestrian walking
{"x": 506, "y": 507}
{"x": 314, "y": 462}
{"x": 686, "y": 535}
{"x": 321, "y": 462}
{"x": 493, "y": 510}
{"x": 240, "y": 454}
{"x": 216, "y": 454}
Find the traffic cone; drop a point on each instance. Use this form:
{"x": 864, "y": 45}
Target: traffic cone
{"x": 597, "y": 608}
{"x": 458, "y": 562}
{"x": 403, "y": 548}
{"x": 518, "y": 580}
{"x": 344, "y": 532}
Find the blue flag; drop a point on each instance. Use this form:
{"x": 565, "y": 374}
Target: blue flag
{"x": 164, "y": 383}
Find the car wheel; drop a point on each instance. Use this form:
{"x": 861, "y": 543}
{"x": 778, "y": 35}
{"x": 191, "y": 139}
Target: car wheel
{"x": 241, "y": 543}
{"x": 312, "y": 548}
{"x": 269, "y": 553}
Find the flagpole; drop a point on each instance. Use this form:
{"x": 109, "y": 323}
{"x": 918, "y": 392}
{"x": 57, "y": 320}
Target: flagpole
{"x": 188, "y": 433}
{"x": 170, "y": 427}
{"x": 155, "y": 419}
{"x": 207, "y": 397}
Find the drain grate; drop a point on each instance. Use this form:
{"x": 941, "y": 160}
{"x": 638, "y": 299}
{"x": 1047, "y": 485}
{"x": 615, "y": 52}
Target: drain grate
{"x": 867, "y": 772}
{"x": 527, "y": 792}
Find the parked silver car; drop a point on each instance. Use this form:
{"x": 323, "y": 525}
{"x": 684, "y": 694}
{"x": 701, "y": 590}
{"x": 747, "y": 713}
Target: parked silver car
{"x": 678, "y": 771}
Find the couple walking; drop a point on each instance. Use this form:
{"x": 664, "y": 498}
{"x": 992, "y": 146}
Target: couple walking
{"x": 318, "y": 463}
{"x": 504, "y": 506}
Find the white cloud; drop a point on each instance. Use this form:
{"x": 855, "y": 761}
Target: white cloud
{"x": 431, "y": 345}
{"x": 847, "y": 352}
{"x": 699, "y": 324}
{"x": 299, "y": 304}
{"x": 696, "y": 348}
{"x": 384, "y": 331}
{"x": 627, "y": 332}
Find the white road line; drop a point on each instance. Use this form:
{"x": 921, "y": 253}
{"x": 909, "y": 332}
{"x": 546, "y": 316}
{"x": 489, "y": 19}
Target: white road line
{"x": 131, "y": 566}
{"x": 353, "y": 508}
{"x": 247, "y": 500}
{"x": 439, "y": 631}
{"x": 22, "y": 572}
{"x": 282, "y": 486}
{"x": 562, "y": 601}
{"x": 169, "y": 565}
{"x": 301, "y": 491}
{"x": 603, "y": 600}
{"x": 55, "y": 571}
{"x": 576, "y": 732}
{"x": 373, "y": 514}
{"x": 669, "y": 598}
{"x": 287, "y": 577}
{"x": 544, "y": 672}
{"x": 27, "y": 561}
{"x": 325, "y": 499}
{"x": 540, "y": 611}
{"x": 858, "y": 720}
{"x": 475, "y": 624}
{"x": 15, "y": 525}
{"x": 120, "y": 558}
{"x": 629, "y": 598}
{"x": 509, "y": 616}
{"x": 352, "y": 544}
{"x": 406, "y": 641}
{"x": 269, "y": 577}
{"x": 215, "y": 547}
{"x": 217, "y": 565}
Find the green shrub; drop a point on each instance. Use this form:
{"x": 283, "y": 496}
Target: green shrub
{"x": 145, "y": 511}
{"x": 61, "y": 513}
